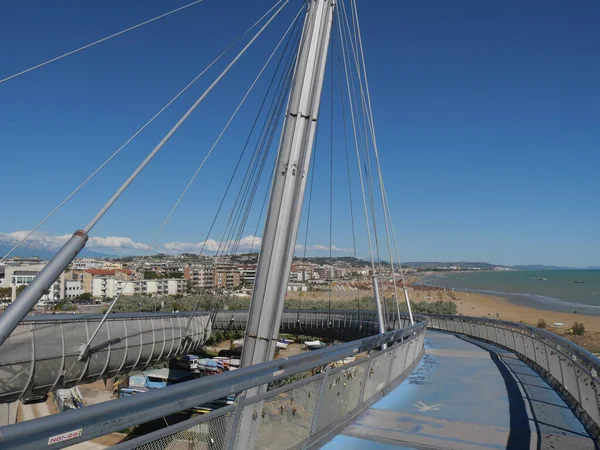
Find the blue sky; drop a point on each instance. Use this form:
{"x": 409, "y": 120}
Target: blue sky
{"x": 487, "y": 117}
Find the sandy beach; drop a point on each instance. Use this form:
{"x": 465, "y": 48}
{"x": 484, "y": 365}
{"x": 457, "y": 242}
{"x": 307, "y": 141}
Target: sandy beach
{"x": 479, "y": 305}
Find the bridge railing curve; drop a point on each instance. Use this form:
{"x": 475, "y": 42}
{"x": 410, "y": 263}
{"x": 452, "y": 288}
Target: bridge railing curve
{"x": 310, "y": 397}
{"x": 571, "y": 370}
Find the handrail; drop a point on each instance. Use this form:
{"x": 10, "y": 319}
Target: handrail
{"x": 101, "y": 419}
{"x": 581, "y": 352}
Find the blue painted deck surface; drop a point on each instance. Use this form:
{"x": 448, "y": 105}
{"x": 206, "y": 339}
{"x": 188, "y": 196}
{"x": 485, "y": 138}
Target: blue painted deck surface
{"x": 467, "y": 395}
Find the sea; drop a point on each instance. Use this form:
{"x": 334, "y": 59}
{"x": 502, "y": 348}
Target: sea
{"x": 554, "y": 290}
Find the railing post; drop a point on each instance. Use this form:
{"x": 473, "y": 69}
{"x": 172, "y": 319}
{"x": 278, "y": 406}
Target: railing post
{"x": 315, "y": 419}
{"x": 364, "y": 380}
{"x": 236, "y": 421}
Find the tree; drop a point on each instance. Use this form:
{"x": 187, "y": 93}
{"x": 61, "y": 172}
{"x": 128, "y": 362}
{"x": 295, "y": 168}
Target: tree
{"x": 578, "y": 329}
{"x": 5, "y": 293}
{"x": 541, "y": 323}
{"x": 189, "y": 287}
{"x": 21, "y": 288}
{"x": 85, "y": 296}
{"x": 65, "y": 305}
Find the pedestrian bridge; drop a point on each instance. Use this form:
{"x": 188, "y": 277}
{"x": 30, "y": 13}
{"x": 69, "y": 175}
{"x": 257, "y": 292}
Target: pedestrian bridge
{"x": 466, "y": 394}
{"x": 42, "y": 353}
{"x": 445, "y": 382}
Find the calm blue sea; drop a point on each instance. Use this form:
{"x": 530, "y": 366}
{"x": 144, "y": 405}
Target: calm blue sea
{"x": 555, "y": 290}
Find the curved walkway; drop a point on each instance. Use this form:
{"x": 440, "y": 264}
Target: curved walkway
{"x": 466, "y": 395}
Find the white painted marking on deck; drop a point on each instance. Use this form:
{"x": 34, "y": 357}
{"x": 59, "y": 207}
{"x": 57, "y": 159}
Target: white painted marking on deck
{"x": 422, "y": 407}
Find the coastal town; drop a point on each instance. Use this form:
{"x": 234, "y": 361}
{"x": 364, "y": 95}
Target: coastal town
{"x": 99, "y": 280}
{"x": 168, "y": 283}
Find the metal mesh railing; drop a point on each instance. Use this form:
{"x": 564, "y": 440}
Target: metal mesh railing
{"x": 305, "y": 411}
{"x": 298, "y": 414}
{"x": 570, "y": 369}
{"x": 286, "y": 418}
{"x": 213, "y": 434}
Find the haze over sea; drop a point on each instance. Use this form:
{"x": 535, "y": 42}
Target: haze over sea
{"x": 555, "y": 290}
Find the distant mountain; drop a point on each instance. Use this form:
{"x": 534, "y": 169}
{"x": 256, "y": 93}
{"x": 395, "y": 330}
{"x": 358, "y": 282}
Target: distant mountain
{"x": 29, "y": 250}
{"x": 542, "y": 267}
{"x": 486, "y": 266}
{"x": 327, "y": 260}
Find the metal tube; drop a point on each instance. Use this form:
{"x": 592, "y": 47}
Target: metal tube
{"x": 18, "y": 309}
{"x": 410, "y": 314}
{"x": 380, "y": 318}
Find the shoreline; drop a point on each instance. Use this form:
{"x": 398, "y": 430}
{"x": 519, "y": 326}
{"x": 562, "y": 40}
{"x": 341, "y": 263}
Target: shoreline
{"x": 534, "y": 301}
{"x": 497, "y": 306}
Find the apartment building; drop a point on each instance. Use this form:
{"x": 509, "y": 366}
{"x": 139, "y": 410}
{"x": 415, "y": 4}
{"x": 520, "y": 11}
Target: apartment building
{"x": 104, "y": 287}
{"x": 22, "y": 275}
{"x": 247, "y": 274}
{"x": 226, "y": 279}
{"x": 200, "y": 275}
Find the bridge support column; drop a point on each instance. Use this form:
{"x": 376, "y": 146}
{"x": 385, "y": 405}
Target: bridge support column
{"x": 285, "y": 203}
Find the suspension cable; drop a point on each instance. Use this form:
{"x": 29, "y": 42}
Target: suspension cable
{"x": 64, "y": 55}
{"x": 402, "y": 278}
{"x": 362, "y": 110}
{"x": 240, "y": 158}
{"x": 376, "y": 289}
{"x": 275, "y": 111}
{"x": 111, "y": 157}
{"x": 192, "y": 179}
{"x": 348, "y": 169}
{"x": 310, "y": 194}
{"x": 330, "y": 184}
{"x": 266, "y": 136}
{"x": 362, "y": 185}
{"x": 386, "y": 213}
{"x": 258, "y": 158}
{"x": 164, "y": 140}
{"x": 261, "y": 151}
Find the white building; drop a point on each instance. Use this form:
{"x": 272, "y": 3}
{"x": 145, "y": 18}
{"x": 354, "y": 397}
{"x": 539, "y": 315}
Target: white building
{"x": 73, "y": 289}
{"x": 104, "y": 287}
{"x": 22, "y": 275}
{"x": 110, "y": 287}
{"x": 87, "y": 263}
{"x": 295, "y": 287}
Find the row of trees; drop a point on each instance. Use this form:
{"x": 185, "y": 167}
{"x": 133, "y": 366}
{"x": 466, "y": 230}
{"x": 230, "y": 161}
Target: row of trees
{"x": 203, "y": 302}
{"x": 6, "y": 293}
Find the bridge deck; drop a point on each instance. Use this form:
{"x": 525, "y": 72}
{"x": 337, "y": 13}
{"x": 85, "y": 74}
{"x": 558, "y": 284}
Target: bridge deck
{"x": 467, "y": 395}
